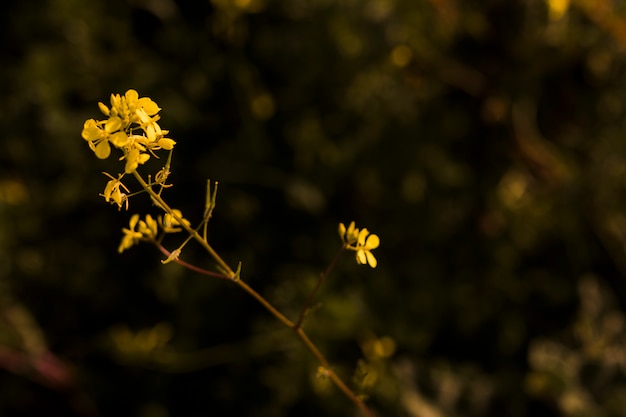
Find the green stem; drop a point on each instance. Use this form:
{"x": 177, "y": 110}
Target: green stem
{"x": 223, "y": 265}
{"x": 280, "y": 316}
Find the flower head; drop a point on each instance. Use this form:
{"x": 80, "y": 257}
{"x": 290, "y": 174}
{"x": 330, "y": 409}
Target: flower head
{"x": 366, "y": 242}
{"x": 131, "y": 125}
{"x": 138, "y": 229}
{"x": 127, "y": 115}
{"x": 360, "y": 241}
{"x": 113, "y": 194}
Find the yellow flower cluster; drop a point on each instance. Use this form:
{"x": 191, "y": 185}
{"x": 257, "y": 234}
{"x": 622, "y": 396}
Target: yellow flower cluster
{"x": 131, "y": 126}
{"x": 362, "y": 242}
{"x": 148, "y": 228}
{"x": 138, "y": 230}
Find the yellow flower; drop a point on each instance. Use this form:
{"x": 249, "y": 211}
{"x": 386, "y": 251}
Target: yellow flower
{"x": 366, "y": 242}
{"x": 146, "y": 229}
{"x": 127, "y": 113}
{"x": 360, "y": 241}
{"x": 112, "y": 192}
{"x": 131, "y": 126}
{"x": 131, "y": 236}
{"x": 99, "y": 136}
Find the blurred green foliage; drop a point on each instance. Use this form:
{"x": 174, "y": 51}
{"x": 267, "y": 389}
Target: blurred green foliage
{"x": 482, "y": 141}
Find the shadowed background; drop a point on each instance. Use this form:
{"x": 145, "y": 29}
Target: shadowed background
{"x": 484, "y": 142}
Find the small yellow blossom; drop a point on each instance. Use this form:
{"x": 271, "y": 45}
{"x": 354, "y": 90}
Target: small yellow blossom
{"x": 365, "y": 244}
{"x": 360, "y": 241}
{"x": 131, "y": 236}
{"x": 99, "y": 136}
{"x": 138, "y": 230}
{"x": 112, "y": 192}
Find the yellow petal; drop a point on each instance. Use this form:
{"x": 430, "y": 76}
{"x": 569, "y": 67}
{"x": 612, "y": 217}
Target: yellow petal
{"x": 361, "y": 239}
{"x": 108, "y": 190}
{"x": 150, "y": 132}
{"x": 371, "y": 260}
{"x": 127, "y": 242}
{"x": 103, "y": 150}
{"x": 152, "y": 225}
{"x": 373, "y": 241}
{"x": 119, "y": 139}
{"x": 131, "y": 96}
{"x": 92, "y": 133}
{"x": 342, "y": 230}
{"x": 143, "y": 116}
{"x": 133, "y": 221}
{"x": 149, "y": 106}
{"x": 117, "y": 196}
{"x": 351, "y": 229}
{"x": 113, "y": 124}
{"x": 361, "y": 258}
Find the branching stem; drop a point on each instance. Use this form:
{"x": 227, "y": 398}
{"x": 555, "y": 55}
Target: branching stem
{"x": 223, "y": 265}
{"x": 230, "y": 274}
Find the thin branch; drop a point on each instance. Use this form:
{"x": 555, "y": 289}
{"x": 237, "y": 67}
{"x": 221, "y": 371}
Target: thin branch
{"x": 318, "y": 284}
{"x": 188, "y": 265}
{"x": 231, "y": 275}
{"x": 223, "y": 265}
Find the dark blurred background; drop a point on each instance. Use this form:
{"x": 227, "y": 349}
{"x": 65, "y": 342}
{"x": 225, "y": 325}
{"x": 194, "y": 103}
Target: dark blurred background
{"x": 484, "y": 142}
